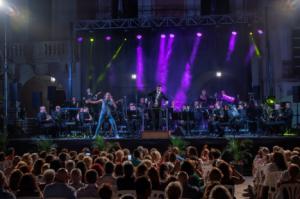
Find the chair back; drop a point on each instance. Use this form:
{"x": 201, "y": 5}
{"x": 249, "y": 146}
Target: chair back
{"x": 230, "y": 188}
{"x": 272, "y": 178}
{"x": 29, "y": 197}
{"x": 288, "y": 191}
{"x": 120, "y": 193}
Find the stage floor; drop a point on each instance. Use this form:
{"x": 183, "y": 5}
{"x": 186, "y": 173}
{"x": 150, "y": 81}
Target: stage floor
{"x": 29, "y": 144}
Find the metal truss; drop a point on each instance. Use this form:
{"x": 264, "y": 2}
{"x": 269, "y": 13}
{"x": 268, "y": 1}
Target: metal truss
{"x": 160, "y": 22}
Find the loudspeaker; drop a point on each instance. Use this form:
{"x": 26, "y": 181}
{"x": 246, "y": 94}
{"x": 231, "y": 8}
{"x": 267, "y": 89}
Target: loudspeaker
{"x": 296, "y": 94}
{"x": 155, "y": 135}
{"x": 51, "y": 96}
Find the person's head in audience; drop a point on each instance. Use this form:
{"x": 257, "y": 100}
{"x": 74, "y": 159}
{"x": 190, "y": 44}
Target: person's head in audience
{"x": 97, "y": 167}
{"x": 163, "y": 172}
{"x": 14, "y": 179}
{"x": 55, "y": 164}
{"x": 70, "y": 164}
{"x": 214, "y": 154}
{"x": 48, "y": 176}
{"x": 24, "y": 169}
{"x": 219, "y": 192}
{"x": 279, "y": 160}
{"x": 192, "y": 152}
{"x": 105, "y": 191}
{"x": 174, "y": 190}
{"x": 61, "y": 176}
{"x": 143, "y": 187}
{"x": 188, "y": 167}
{"x": 128, "y": 169}
{"x": 76, "y": 176}
{"x": 81, "y": 165}
{"x": 137, "y": 154}
{"x": 295, "y": 159}
{"x": 37, "y": 167}
{"x": 215, "y": 175}
{"x": 141, "y": 170}
{"x": 3, "y": 182}
{"x": 226, "y": 170}
{"x": 109, "y": 168}
{"x": 88, "y": 161}
{"x": 119, "y": 170}
{"x": 28, "y": 183}
{"x": 294, "y": 172}
{"x": 154, "y": 177}
{"x": 119, "y": 156}
{"x": 183, "y": 178}
{"x": 91, "y": 176}
{"x": 63, "y": 157}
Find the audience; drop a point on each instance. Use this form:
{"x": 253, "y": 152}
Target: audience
{"x": 173, "y": 174}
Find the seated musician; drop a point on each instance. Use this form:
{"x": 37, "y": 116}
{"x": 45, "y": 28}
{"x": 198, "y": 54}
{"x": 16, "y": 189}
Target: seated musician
{"x": 134, "y": 118}
{"x": 216, "y": 119}
{"x": 83, "y": 116}
{"x": 57, "y": 117}
{"x": 44, "y": 119}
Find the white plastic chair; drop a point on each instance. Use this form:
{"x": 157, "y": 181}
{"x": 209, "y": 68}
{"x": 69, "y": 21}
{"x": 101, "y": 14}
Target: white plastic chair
{"x": 120, "y": 193}
{"x": 292, "y": 190}
{"x": 230, "y": 188}
{"x": 271, "y": 181}
{"x": 29, "y": 197}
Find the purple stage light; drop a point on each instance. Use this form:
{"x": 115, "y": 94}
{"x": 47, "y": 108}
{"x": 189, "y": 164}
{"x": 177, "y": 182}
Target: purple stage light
{"x": 139, "y": 37}
{"x": 172, "y": 35}
{"x": 139, "y": 68}
{"x": 231, "y": 45}
{"x": 162, "y": 36}
{"x": 199, "y": 34}
{"x": 260, "y": 31}
{"x": 80, "y": 39}
{"x": 181, "y": 94}
{"x": 108, "y": 38}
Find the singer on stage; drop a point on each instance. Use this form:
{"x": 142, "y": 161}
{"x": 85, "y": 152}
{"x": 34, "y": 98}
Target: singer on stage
{"x": 106, "y": 111}
{"x": 156, "y": 97}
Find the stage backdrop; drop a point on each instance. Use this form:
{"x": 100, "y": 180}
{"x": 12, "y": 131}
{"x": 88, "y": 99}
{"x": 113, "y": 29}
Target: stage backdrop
{"x": 108, "y": 62}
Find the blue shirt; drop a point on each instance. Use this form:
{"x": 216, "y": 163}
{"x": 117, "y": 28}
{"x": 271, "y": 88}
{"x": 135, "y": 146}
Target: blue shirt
{"x": 106, "y": 106}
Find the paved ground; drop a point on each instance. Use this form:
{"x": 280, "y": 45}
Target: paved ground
{"x": 239, "y": 189}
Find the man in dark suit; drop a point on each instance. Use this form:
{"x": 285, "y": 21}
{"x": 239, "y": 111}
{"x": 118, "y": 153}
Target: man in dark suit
{"x": 156, "y": 98}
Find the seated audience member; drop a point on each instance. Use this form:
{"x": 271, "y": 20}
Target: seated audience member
{"x": 188, "y": 191}
{"x": 48, "y": 178}
{"x": 214, "y": 178}
{"x": 60, "y": 188}
{"x": 14, "y": 180}
{"x": 75, "y": 179}
{"x": 28, "y": 187}
{"x": 292, "y": 175}
{"x": 230, "y": 175}
{"x": 174, "y": 190}
{"x": 220, "y": 192}
{"x": 44, "y": 118}
{"x": 119, "y": 170}
{"x": 193, "y": 173}
{"x": 108, "y": 176}
{"x": 4, "y": 194}
{"x": 154, "y": 178}
{"x": 70, "y": 165}
{"x": 143, "y": 187}
{"x": 91, "y": 189}
{"x": 127, "y": 181}
{"x": 137, "y": 157}
{"x": 105, "y": 191}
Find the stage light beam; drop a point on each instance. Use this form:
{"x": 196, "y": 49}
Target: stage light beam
{"x": 92, "y": 40}
{"x": 231, "y": 45}
{"x": 219, "y": 74}
{"x": 139, "y": 68}
{"x": 199, "y": 34}
{"x": 108, "y": 38}
{"x": 133, "y": 76}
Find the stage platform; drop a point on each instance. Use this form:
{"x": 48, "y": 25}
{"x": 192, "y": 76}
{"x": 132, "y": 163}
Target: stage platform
{"x": 29, "y": 144}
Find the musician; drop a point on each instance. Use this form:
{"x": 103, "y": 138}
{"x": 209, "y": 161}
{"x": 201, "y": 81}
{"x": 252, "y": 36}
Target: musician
{"x": 156, "y": 98}
{"x": 58, "y": 117}
{"x": 287, "y": 115}
{"x": 44, "y": 119}
{"x": 203, "y": 98}
{"x": 73, "y": 104}
{"x": 84, "y": 116}
{"x": 134, "y": 119}
{"x": 90, "y": 96}
{"x": 106, "y": 111}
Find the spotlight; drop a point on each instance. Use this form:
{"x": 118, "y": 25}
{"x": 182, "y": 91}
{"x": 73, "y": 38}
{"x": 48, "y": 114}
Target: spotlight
{"x": 139, "y": 37}
{"x": 80, "y": 39}
{"x": 133, "y": 76}
{"x": 260, "y": 31}
{"x": 271, "y": 100}
{"x": 1, "y": 3}
{"x": 108, "y": 38}
{"x": 250, "y": 33}
{"x": 171, "y": 35}
{"x": 219, "y": 74}
{"x": 199, "y": 34}
{"x": 52, "y": 79}
{"x": 162, "y": 36}
{"x": 125, "y": 39}
{"x": 92, "y": 40}
{"x": 234, "y": 33}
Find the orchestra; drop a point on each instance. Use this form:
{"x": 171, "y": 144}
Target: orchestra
{"x": 153, "y": 112}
